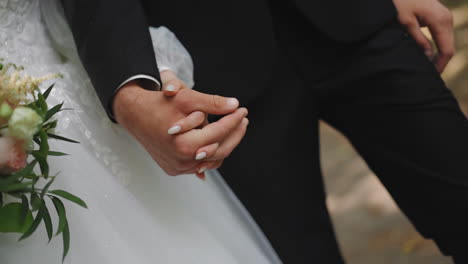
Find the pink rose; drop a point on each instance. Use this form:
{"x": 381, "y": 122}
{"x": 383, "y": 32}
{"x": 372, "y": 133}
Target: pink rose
{"x": 12, "y": 155}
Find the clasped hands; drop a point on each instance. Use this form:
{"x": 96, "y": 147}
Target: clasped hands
{"x": 172, "y": 125}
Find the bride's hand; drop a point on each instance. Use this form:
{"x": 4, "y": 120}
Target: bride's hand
{"x": 213, "y": 154}
{"x": 171, "y": 84}
{"x": 147, "y": 115}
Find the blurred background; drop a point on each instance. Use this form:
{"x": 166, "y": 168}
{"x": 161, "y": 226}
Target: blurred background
{"x": 370, "y": 227}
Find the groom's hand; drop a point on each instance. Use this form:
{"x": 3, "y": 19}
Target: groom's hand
{"x": 431, "y": 13}
{"x": 147, "y": 115}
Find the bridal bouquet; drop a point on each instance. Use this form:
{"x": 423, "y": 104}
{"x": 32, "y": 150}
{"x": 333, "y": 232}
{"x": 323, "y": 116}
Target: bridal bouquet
{"x": 26, "y": 125}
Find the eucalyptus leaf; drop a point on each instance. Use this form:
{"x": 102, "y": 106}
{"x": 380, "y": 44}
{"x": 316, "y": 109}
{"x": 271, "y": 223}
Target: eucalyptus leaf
{"x": 70, "y": 197}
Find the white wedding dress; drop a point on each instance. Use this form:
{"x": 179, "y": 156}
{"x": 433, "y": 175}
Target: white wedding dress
{"x": 137, "y": 214}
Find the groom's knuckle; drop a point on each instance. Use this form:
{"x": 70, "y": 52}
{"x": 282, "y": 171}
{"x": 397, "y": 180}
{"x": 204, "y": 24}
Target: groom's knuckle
{"x": 224, "y": 128}
{"x": 183, "y": 98}
{"x": 446, "y": 16}
{"x": 216, "y": 101}
{"x": 407, "y": 21}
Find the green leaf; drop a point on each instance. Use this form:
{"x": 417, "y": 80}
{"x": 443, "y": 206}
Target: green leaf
{"x": 42, "y": 163}
{"x": 50, "y": 125}
{"x": 48, "y": 223}
{"x": 35, "y": 201}
{"x": 66, "y": 240}
{"x": 20, "y": 174}
{"x": 46, "y": 187}
{"x": 11, "y": 219}
{"x": 44, "y": 145}
{"x": 1, "y": 199}
{"x": 61, "y": 138}
{"x": 16, "y": 187}
{"x": 70, "y": 197}
{"x": 35, "y": 223}
{"x": 53, "y": 111}
{"x": 62, "y": 214}
{"x": 47, "y": 92}
{"x": 31, "y": 176}
{"x": 41, "y": 103}
{"x": 57, "y": 153}
{"x": 24, "y": 208}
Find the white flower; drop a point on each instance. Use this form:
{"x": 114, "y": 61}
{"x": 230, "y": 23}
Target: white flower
{"x": 24, "y": 123}
{"x": 15, "y": 87}
{"x": 5, "y": 110}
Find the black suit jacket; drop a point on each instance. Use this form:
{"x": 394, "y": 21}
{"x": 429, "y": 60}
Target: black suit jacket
{"x": 232, "y": 42}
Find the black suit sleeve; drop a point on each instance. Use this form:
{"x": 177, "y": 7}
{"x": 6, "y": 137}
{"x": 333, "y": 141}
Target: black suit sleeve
{"x": 113, "y": 42}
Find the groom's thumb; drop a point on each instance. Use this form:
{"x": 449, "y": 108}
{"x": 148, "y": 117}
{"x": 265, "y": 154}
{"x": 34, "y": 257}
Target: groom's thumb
{"x": 191, "y": 100}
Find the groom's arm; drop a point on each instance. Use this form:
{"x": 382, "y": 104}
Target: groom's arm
{"x": 114, "y": 44}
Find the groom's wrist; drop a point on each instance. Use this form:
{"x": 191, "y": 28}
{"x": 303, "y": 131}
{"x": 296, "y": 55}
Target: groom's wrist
{"x": 125, "y": 98}
{"x": 142, "y": 81}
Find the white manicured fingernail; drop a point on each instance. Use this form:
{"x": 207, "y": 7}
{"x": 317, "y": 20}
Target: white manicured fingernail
{"x": 174, "y": 130}
{"x": 202, "y": 170}
{"x": 232, "y": 102}
{"x": 200, "y": 155}
{"x": 170, "y": 88}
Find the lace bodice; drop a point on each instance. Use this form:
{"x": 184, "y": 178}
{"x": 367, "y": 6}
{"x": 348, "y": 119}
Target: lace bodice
{"x": 25, "y": 40}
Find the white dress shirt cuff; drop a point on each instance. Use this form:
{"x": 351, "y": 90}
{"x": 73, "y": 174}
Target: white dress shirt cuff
{"x": 141, "y": 76}
{"x": 151, "y": 79}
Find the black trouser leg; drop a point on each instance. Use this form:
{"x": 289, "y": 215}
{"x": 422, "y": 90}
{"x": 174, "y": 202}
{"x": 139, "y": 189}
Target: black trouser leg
{"x": 275, "y": 172}
{"x": 395, "y": 109}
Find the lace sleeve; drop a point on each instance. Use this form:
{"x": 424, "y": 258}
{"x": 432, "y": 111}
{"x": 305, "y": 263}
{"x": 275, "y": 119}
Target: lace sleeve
{"x": 172, "y": 55}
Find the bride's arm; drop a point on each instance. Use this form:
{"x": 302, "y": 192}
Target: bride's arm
{"x": 114, "y": 44}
